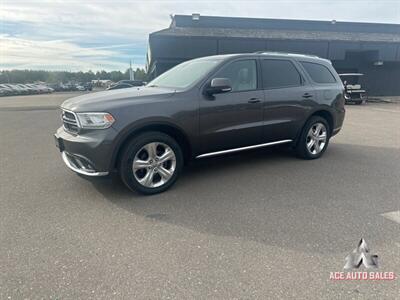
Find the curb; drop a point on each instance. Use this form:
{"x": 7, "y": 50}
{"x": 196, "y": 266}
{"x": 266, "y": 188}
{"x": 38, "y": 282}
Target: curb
{"x": 382, "y": 100}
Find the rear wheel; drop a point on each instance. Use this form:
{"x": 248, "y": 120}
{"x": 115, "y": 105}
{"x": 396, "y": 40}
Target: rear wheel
{"x": 151, "y": 163}
{"x": 314, "y": 138}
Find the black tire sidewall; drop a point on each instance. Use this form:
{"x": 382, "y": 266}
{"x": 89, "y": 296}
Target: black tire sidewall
{"x": 125, "y": 166}
{"x": 302, "y": 150}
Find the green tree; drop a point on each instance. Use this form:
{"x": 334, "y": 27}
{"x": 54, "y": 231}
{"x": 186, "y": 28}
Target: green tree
{"x": 140, "y": 74}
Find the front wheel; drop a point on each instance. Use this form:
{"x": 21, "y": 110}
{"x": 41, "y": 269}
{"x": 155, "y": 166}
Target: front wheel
{"x": 151, "y": 163}
{"x": 314, "y": 138}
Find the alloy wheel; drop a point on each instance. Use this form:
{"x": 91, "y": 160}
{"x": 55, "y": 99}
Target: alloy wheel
{"x": 154, "y": 164}
{"x": 316, "y": 138}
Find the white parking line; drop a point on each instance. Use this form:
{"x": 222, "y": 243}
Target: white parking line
{"x": 392, "y": 216}
{"x": 386, "y": 110}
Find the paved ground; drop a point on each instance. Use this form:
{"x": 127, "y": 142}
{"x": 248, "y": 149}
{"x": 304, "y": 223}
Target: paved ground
{"x": 36, "y": 102}
{"x": 261, "y": 224}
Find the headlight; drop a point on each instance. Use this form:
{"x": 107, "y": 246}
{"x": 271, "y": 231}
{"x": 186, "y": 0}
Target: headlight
{"x": 95, "y": 120}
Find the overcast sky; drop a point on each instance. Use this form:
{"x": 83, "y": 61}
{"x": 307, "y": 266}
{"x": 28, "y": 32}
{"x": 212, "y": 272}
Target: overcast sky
{"x": 99, "y": 34}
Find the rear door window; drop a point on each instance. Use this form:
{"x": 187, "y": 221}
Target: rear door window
{"x": 318, "y": 73}
{"x": 278, "y": 73}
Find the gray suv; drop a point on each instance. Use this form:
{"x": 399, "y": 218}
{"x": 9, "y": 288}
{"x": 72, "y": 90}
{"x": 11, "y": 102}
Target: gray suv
{"x": 203, "y": 107}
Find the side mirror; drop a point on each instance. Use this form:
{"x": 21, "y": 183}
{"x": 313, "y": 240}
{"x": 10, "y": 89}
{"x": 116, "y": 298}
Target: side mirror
{"x": 219, "y": 86}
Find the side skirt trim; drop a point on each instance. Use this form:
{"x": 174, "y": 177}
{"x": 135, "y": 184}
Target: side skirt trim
{"x": 243, "y": 148}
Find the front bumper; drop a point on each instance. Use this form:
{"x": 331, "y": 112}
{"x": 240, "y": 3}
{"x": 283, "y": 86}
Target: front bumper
{"x": 80, "y": 165}
{"x": 87, "y": 154}
{"x": 356, "y": 96}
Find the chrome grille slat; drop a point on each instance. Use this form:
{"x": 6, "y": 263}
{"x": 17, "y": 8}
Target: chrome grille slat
{"x": 70, "y": 122}
{"x": 68, "y": 119}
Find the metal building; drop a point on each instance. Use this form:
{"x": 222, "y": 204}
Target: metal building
{"x": 369, "y": 48}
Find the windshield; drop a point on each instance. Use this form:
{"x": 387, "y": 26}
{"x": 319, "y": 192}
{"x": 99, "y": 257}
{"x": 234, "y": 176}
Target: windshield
{"x": 184, "y": 74}
{"x": 351, "y": 79}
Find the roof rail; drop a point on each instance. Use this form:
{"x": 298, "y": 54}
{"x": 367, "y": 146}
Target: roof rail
{"x": 286, "y": 53}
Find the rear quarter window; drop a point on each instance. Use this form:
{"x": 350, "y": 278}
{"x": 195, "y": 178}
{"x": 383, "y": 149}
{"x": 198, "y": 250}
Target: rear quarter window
{"x": 318, "y": 73}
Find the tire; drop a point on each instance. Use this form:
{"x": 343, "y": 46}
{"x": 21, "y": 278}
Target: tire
{"x": 142, "y": 167}
{"x": 308, "y": 134}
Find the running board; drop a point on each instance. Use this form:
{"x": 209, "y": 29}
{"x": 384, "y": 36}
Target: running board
{"x": 243, "y": 148}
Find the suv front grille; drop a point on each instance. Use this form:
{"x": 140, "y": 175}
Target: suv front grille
{"x": 69, "y": 121}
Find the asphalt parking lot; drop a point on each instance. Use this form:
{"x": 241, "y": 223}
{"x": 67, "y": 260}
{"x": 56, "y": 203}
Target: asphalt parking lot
{"x": 261, "y": 224}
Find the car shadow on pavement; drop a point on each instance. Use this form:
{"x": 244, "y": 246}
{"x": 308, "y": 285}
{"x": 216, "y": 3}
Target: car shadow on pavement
{"x": 271, "y": 197}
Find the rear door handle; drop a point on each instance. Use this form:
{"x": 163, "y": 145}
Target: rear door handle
{"x": 307, "y": 95}
{"x": 254, "y": 100}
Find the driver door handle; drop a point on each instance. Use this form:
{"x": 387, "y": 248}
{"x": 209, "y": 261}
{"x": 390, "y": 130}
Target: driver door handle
{"x": 307, "y": 95}
{"x": 254, "y": 100}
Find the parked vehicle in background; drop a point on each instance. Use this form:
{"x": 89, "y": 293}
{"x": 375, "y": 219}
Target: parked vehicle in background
{"x": 30, "y": 90}
{"x": 83, "y": 86}
{"x": 354, "y": 93}
{"x": 40, "y": 89}
{"x": 24, "y": 89}
{"x": 88, "y": 86}
{"x": 204, "y": 107}
{"x": 122, "y": 84}
{"x": 6, "y": 90}
{"x": 132, "y": 82}
{"x": 59, "y": 87}
{"x": 15, "y": 88}
{"x": 119, "y": 86}
{"x": 80, "y": 87}
{"x": 44, "y": 88}
{"x": 33, "y": 88}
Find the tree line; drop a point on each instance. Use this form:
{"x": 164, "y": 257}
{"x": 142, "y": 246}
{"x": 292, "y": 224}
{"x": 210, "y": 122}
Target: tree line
{"x": 29, "y": 76}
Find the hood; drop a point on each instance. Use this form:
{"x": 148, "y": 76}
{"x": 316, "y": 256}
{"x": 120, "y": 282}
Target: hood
{"x": 106, "y": 100}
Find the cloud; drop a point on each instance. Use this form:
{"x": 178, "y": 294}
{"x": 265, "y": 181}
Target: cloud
{"x": 106, "y": 34}
{"x": 57, "y": 55}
